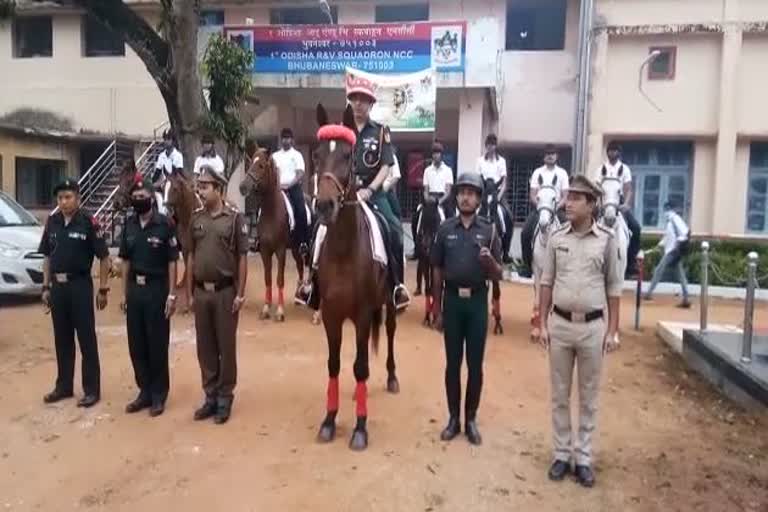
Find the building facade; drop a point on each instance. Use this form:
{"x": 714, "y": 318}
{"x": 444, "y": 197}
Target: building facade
{"x": 693, "y": 120}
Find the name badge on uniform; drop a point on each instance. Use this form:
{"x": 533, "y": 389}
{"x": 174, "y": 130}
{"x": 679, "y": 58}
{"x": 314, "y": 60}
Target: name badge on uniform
{"x": 465, "y": 293}
{"x": 562, "y": 249}
{"x": 154, "y": 241}
{"x": 141, "y": 280}
{"x": 61, "y": 278}
{"x": 77, "y": 236}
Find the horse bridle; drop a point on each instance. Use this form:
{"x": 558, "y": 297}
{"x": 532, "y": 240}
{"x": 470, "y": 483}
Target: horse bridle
{"x": 343, "y": 197}
{"x": 614, "y": 204}
{"x": 547, "y": 208}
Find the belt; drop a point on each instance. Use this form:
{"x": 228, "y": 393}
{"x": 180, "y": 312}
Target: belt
{"x": 466, "y": 292}
{"x": 65, "y": 277}
{"x": 144, "y": 279}
{"x": 215, "y": 286}
{"x": 579, "y": 318}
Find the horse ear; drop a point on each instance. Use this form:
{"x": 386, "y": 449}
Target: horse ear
{"x": 349, "y": 119}
{"x": 322, "y": 115}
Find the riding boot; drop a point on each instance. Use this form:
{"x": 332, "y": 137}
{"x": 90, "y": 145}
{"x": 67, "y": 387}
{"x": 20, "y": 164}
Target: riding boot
{"x": 526, "y": 242}
{"x": 506, "y": 239}
{"x": 397, "y": 273}
{"x": 314, "y": 292}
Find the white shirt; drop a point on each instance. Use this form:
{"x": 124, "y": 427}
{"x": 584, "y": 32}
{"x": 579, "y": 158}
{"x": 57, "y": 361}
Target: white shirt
{"x": 436, "y": 178}
{"x": 168, "y": 162}
{"x": 394, "y": 174}
{"x": 495, "y": 169}
{"x": 548, "y": 175}
{"x": 289, "y": 165}
{"x": 674, "y": 232}
{"x": 215, "y": 162}
{"x": 612, "y": 171}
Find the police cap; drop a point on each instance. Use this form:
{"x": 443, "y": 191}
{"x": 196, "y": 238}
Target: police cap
{"x": 209, "y": 175}
{"x": 67, "y": 184}
{"x": 584, "y": 185}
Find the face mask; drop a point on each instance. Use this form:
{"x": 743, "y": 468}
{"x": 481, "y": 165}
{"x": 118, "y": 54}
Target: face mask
{"x": 141, "y": 206}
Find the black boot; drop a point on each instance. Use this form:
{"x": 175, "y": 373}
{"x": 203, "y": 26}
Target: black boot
{"x": 141, "y": 402}
{"x": 559, "y": 470}
{"x": 57, "y": 395}
{"x": 451, "y": 430}
{"x": 223, "y": 411}
{"x": 207, "y": 410}
{"x": 473, "y": 434}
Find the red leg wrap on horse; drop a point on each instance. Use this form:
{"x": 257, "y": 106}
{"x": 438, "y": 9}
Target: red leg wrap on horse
{"x": 333, "y": 394}
{"x": 361, "y": 396}
{"x": 280, "y": 297}
{"x": 268, "y": 295}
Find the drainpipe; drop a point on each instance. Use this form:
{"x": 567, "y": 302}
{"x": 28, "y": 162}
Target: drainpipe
{"x": 584, "y": 84}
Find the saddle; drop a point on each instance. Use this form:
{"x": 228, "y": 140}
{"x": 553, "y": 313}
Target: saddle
{"x": 377, "y": 228}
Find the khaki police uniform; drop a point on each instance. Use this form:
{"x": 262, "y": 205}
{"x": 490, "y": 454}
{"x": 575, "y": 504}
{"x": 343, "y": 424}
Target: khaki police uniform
{"x": 217, "y": 243}
{"x": 582, "y": 270}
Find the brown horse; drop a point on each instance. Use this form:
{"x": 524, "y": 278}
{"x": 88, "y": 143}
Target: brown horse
{"x": 352, "y": 285}
{"x": 262, "y": 179}
{"x": 182, "y": 202}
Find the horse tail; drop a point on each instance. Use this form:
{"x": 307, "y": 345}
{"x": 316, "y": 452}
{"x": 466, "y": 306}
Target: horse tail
{"x": 376, "y": 322}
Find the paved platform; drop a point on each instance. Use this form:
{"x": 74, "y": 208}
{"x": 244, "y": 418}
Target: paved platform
{"x": 716, "y": 356}
{"x": 672, "y": 332}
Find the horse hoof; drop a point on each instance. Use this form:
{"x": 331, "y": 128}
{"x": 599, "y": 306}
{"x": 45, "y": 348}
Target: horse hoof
{"x": 498, "y": 330}
{"x": 393, "y": 386}
{"x": 427, "y": 322}
{"x": 327, "y": 433}
{"x": 359, "y": 441}
{"x": 280, "y": 316}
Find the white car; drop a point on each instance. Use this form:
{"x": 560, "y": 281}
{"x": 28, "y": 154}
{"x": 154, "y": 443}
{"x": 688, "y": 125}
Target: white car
{"x": 21, "y": 266}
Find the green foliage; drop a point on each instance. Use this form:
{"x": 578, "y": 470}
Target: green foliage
{"x": 728, "y": 261}
{"x": 227, "y": 68}
{"x": 7, "y": 8}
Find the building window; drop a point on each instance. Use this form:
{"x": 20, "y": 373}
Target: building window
{"x": 301, "y": 16}
{"x": 661, "y": 172}
{"x": 33, "y": 37}
{"x": 536, "y": 25}
{"x": 100, "y": 41}
{"x": 757, "y": 193}
{"x": 212, "y": 18}
{"x": 402, "y": 12}
{"x": 662, "y": 67}
{"x": 35, "y": 179}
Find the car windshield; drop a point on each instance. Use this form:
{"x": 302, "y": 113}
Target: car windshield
{"x": 12, "y": 214}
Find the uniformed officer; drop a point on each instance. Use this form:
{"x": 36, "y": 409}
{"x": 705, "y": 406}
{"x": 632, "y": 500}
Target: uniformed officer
{"x": 216, "y": 291}
{"x": 149, "y": 251}
{"x": 466, "y": 254}
{"x": 374, "y": 158}
{"x": 70, "y": 241}
{"x": 581, "y": 271}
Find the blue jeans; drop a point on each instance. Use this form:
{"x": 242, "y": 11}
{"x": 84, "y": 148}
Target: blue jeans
{"x": 670, "y": 258}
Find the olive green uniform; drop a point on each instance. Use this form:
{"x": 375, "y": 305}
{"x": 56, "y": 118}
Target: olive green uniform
{"x": 582, "y": 270}
{"x": 217, "y": 243}
{"x": 465, "y": 305}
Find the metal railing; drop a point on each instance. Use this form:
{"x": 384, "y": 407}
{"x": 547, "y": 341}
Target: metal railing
{"x": 751, "y": 284}
{"x": 94, "y": 170}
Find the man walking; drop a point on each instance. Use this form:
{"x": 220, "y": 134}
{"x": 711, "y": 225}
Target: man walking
{"x": 466, "y": 254}
{"x": 216, "y": 291}
{"x": 290, "y": 166}
{"x": 615, "y": 168}
{"x": 581, "y": 271}
{"x": 551, "y": 175}
{"x": 70, "y": 241}
{"x": 149, "y": 250}
{"x": 675, "y": 245}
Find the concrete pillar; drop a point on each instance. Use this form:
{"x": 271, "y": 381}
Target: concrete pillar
{"x": 595, "y": 136}
{"x": 724, "y": 218}
{"x": 471, "y": 126}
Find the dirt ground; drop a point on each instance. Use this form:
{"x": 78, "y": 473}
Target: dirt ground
{"x": 666, "y": 441}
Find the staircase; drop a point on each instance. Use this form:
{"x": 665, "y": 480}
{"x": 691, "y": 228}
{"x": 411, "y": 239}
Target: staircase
{"x": 100, "y": 183}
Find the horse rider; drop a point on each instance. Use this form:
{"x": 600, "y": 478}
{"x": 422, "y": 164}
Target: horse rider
{"x": 465, "y": 255}
{"x": 492, "y": 166}
{"x": 216, "y": 291}
{"x": 437, "y": 183}
{"x": 290, "y": 166}
{"x": 149, "y": 250}
{"x": 581, "y": 273}
{"x": 615, "y": 168}
{"x": 70, "y": 241}
{"x": 209, "y": 158}
{"x": 168, "y": 161}
{"x": 553, "y": 175}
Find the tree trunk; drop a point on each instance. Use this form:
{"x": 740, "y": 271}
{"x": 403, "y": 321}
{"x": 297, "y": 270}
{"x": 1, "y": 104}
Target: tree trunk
{"x": 187, "y": 105}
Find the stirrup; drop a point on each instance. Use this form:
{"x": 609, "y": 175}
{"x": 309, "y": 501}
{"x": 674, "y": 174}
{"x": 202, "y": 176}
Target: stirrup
{"x": 404, "y": 305}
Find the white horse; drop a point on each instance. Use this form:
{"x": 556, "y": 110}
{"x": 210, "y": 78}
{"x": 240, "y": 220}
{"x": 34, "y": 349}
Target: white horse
{"x": 612, "y": 219}
{"x": 546, "y": 207}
